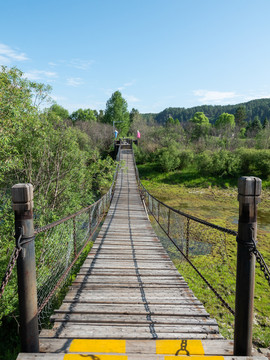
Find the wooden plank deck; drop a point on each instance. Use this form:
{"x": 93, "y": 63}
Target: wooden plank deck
{"x": 129, "y": 291}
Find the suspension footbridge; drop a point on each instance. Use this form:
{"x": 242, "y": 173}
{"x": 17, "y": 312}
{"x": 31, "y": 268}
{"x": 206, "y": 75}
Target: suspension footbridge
{"x": 128, "y": 300}
{"x": 128, "y": 290}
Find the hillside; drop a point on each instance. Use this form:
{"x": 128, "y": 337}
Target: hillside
{"x": 260, "y": 108}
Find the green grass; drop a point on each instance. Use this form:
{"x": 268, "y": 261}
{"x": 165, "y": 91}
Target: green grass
{"x": 187, "y": 177}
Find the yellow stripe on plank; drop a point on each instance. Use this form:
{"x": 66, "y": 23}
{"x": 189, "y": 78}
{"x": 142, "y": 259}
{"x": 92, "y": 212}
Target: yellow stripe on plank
{"x": 98, "y": 345}
{"x": 170, "y": 357}
{"x": 179, "y": 347}
{"x": 93, "y": 356}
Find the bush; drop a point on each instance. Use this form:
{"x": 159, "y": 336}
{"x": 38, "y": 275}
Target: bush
{"x": 140, "y": 154}
{"x": 169, "y": 158}
{"x": 221, "y": 163}
{"x": 254, "y": 162}
{"x": 225, "y": 163}
{"x": 186, "y": 158}
{"x": 203, "y": 162}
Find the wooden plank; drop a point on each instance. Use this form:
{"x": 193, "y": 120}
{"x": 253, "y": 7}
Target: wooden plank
{"x": 132, "y": 309}
{"x": 121, "y": 332}
{"x": 146, "y": 347}
{"x": 140, "y": 356}
{"x": 131, "y": 319}
{"x": 142, "y": 329}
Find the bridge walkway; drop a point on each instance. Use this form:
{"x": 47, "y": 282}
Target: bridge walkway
{"x": 128, "y": 300}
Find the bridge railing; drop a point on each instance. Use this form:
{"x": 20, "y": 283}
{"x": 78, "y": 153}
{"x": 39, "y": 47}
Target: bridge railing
{"x": 201, "y": 253}
{"x": 58, "y": 248}
{"x": 205, "y": 254}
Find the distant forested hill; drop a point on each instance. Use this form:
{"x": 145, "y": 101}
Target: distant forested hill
{"x": 260, "y": 108}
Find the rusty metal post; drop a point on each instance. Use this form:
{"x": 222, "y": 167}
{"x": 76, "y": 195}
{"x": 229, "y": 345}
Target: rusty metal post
{"x": 22, "y": 197}
{"x": 74, "y": 237}
{"x": 187, "y": 240}
{"x": 249, "y": 191}
{"x": 169, "y": 219}
{"x": 90, "y": 221}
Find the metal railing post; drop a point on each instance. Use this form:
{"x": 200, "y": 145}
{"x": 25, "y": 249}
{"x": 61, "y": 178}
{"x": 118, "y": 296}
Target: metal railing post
{"x": 187, "y": 239}
{"x": 22, "y": 198}
{"x": 74, "y": 237}
{"x": 90, "y": 221}
{"x": 169, "y": 219}
{"x": 249, "y": 191}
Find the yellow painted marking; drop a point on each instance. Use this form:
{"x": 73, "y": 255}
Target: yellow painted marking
{"x": 170, "y": 357}
{"x": 98, "y": 345}
{"x": 94, "y": 357}
{"x": 180, "y": 347}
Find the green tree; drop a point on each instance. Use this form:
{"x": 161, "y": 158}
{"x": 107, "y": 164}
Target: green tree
{"x": 117, "y": 113}
{"x": 256, "y": 124}
{"x": 134, "y": 115}
{"x": 254, "y": 127}
{"x": 200, "y": 118}
{"x": 240, "y": 116}
{"x": 83, "y": 115}
{"x": 199, "y": 125}
{"x": 99, "y": 115}
{"x": 58, "y": 110}
{"x": 225, "y": 121}
{"x": 266, "y": 123}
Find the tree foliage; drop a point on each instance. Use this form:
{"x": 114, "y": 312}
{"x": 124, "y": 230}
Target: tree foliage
{"x": 240, "y": 116}
{"x": 63, "y": 162}
{"x": 117, "y": 113}
{"x": 260, "y": 107}
{"x": 199, "y": 125}
{"x": 58, "y": 110}
{"x": 83, "y": 115}
{"x": 225, "y": 121}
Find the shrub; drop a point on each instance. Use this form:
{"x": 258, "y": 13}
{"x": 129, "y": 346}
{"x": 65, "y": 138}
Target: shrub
{"x": 140, "y": 155}
{"x": 203, "y": 162}
{"x": 254, "y": 162}
{"x": 221, "y": 163}
{"x": 225, "y": 163}
{"x": 169, "y": 158}
{"x": 186, "y": 158}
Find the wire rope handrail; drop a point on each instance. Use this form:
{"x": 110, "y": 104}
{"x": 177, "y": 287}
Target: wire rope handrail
{"x": 205, "y": 256}
{"x": 191, "y": 217}
{"x": 59, "y": 245}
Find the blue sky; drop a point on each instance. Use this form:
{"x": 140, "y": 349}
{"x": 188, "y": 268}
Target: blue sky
{"x": 158, "y": 53}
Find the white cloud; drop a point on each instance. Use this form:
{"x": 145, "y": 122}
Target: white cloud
{"x": 215, "y": 97}
{"x": 58, "y": 98}
{"x": 9, "y": 55}
{"x": 74, "y": 82}
{"x": 256, "y": 95}
{"x": 131, "y": 99}
{"x": 40, "y": 75}
{"x": 128, "y": 84}
{"x": 226, "y": 97}
{"x": 81, "y": 64}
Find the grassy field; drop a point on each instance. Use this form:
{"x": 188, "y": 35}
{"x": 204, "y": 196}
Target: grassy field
{"x": 215, "y": 200}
